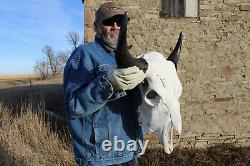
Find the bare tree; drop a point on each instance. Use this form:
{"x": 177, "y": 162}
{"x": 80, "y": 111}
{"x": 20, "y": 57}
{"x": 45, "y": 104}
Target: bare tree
{"x": 53, "y": 63}
{"x": 73, "y": 39}
{"x": 51, "y": 58}
{"x": 62, "y": 58}
{"x": 42, "y": 69}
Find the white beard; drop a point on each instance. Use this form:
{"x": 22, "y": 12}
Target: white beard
{"x": 109, "y": 41}
{"x": 106, "y": 37}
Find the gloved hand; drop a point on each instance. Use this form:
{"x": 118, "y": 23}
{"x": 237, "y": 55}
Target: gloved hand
{"x": 125, "y": 79}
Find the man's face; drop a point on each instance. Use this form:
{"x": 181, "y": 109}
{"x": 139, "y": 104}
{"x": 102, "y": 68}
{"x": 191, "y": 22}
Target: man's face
{"x": 108, "y": 30}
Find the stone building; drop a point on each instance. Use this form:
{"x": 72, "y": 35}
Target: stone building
{"x": 214, "y": 67}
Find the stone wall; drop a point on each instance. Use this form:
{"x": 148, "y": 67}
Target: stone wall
{"x": 214, "y": 67}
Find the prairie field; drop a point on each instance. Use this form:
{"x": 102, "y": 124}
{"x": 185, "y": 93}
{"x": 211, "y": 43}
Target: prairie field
{"x": 24, "y": 80}
{"x": 33, "y": 131}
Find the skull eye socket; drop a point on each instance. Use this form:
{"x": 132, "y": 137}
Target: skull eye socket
{"x": 152, "y": 98}
{"x": 151, "y": 94}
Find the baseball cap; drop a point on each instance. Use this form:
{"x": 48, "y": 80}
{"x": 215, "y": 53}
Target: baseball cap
{"x": 108, "y": 10}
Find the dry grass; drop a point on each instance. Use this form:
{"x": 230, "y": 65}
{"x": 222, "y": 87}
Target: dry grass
{"x": 18, "y": 76}
{"x": 50, "y": 94}
{"x": 7, "y": 81}
{"x": 216, "y": 155}
{"x": 16, "y": 80}
{"x": 28, "y": 137}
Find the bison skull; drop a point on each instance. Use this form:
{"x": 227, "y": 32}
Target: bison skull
{"x": 160, "y": 109}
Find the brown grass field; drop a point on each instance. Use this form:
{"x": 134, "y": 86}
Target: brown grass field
{"x": 24, "y": 80}
{"x": 30, "y": 136}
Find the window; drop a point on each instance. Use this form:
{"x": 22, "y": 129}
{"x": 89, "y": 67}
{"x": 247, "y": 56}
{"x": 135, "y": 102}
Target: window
{"x": 179, "y": 8}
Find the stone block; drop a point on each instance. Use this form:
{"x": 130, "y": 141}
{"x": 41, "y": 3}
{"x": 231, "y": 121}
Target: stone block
{"x": 211, "y": 135}
{"x": 198, "y": 138}
{"x": 203, "y": 2}
{"x": 214, "y": 141}
{"x": 226, "y": 137}
{"x": 218, "y": 8}
{"x": 241, "y": 140}
{"x": 183, "y": 144}
{"x": 149, "y": 4}
{"x": 92, "y": 4}
{"x": 226, "y": 71}
{"x": 223, "y": 99}
{"x": 89, "y": 17}
{"x": 89, "y": 34}
{"x": 244, "y": 7}
{"x": 128, "y": 3}
{"x": 233, "y": 140}
{"x": 133, "y": 13}
{"x": 203, "y": 7}
{"x": 187, "y": 134}
{"x": 201, "y": 144}
{"x": 243, "y": 144}
{"x": 235, "y": 1}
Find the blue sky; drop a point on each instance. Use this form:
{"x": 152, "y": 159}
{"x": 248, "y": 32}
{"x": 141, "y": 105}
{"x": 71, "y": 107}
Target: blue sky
{"x": 27, "y": 25}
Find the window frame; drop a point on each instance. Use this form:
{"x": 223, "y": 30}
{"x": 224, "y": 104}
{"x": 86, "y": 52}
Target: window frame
{"x": 179, "y": 8}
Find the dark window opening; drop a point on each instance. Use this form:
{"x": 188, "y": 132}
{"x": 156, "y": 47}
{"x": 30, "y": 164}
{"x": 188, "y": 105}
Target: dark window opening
{"x": 179, "y": 8}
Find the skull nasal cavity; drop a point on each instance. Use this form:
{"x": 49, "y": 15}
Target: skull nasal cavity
{"x": 151, "y": 94}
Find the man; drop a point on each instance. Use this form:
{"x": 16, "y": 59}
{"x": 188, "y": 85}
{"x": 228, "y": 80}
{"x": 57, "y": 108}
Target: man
{"x": 100, "y": 100}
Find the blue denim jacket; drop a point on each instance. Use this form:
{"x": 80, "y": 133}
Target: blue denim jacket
{"x": 95, "y": 112}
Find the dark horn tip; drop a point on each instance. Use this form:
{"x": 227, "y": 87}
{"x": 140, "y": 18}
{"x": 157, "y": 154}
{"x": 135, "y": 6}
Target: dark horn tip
{"x": 175, "y": 54}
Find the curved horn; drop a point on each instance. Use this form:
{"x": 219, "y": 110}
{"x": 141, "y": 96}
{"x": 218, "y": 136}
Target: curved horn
{"x": 123, "y": 57}
{"x": 121, "y": 52}
{"x": 175, "y": 54}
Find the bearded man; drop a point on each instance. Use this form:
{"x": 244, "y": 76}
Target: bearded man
{"x": 101, "y": 101}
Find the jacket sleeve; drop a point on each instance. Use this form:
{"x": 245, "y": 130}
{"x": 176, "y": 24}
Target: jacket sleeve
{"x": 86, "y": 89}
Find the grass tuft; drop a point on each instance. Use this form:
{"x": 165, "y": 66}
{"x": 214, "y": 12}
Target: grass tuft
{"x": 27, "y": 139}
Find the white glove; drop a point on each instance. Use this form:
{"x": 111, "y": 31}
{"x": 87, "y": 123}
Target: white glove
{"x": 125, "y": 79}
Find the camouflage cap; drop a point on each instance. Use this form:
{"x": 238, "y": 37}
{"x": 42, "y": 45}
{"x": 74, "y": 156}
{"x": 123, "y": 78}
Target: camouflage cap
{"x": 108, "y": 10}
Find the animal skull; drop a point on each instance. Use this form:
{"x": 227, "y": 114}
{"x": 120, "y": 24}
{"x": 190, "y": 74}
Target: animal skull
{"x": 160, "y": 109}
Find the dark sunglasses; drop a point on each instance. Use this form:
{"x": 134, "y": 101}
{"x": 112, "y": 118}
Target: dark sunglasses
{"x": 115, "y": 19}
